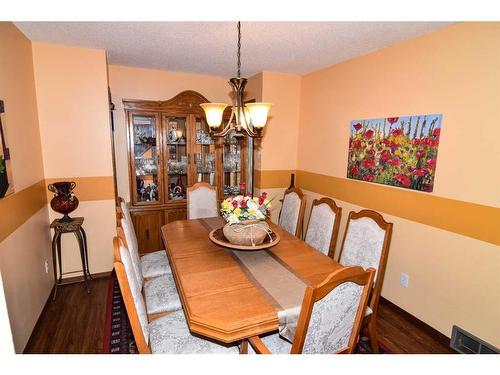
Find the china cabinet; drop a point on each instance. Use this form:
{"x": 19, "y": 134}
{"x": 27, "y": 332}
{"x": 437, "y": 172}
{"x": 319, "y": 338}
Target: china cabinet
{"x": 170, "y": 149}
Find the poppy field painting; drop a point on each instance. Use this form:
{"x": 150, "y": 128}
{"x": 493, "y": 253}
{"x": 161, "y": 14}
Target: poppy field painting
{"x": 396, "y": 151}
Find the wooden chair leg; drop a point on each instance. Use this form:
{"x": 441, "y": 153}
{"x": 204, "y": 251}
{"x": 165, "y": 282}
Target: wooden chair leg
{"x": 244, "y": 347}
{"x": 372, "y": 334}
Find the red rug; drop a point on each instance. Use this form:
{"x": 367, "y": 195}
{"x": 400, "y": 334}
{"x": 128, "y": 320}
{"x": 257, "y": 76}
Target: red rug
{"x": 118, "y": 337}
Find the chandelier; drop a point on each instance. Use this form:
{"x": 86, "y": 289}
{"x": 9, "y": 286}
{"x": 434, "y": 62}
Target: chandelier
{"x": 246, "y": 119}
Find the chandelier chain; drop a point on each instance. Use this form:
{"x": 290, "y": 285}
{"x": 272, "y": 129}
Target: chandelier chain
{"x": 239, "y": 49}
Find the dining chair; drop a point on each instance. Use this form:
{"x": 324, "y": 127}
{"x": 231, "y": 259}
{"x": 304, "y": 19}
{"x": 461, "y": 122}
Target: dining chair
{"x": 330, "y": 317}
{"x": 152, "y": 264}
{"x": 165, "y": 335}
{"x": 323, "y": 226}
{"x": 366, "y": 243}
{"x": 292, "y": 211}
{"x": 160, "y": 292}
{"x": 202, "y": 201}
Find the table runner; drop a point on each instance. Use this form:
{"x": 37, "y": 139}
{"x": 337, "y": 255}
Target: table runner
{"x": 278, "y": 282}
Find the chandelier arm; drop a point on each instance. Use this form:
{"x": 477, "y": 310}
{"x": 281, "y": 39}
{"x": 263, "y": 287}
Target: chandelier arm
{"x": 226, "y": 128}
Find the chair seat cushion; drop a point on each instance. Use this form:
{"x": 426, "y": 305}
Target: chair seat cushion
{"x": 155, "y": 264}
{"x": 274, "y": 343}
{"x": 170, "y": 335}
{"x": 161, "y": 295}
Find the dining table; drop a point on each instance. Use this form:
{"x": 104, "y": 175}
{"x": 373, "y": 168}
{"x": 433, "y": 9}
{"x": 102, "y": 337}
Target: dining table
{"x": 229, "y": 295}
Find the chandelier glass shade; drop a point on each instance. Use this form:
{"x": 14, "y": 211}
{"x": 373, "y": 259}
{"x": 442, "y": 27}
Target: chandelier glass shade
{"x": 246, "y": 119}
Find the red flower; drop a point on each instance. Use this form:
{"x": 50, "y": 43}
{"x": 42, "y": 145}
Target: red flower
{"x": 431, "y": 163}
{"x": 369, "y": 134}
{"x": 249, "y": 194}
{"x": 394, "y": 161}
{"x": 243, "y": 204}
{"x": 403, "y": 179}
{"x": 354, "y": 171}
{"x": 436, "y": 132}
{"x": 369, "y": 178}
{"x": 234, "y": 203}
{"x": 386, "y": 155}
{"x": 392, "y": 120}
{"x": 397, "y": 132}
{"x": 369, "y": 163}
{"x": 416, "y": 142}
{"x": 264, "y": 195}
{"x": 420, "y": 172}
{"x": 357, "y": 127}
{"x": 261, "y": 200}
{"x": 420, "y": 154}
{"x": 433, "y": 142}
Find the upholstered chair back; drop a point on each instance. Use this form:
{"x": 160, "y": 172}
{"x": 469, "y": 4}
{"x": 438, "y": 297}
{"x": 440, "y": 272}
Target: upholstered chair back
{"x": 202, "y": 201}
{"x": 135, "y": 291}
{"x": 332, "y": 312}
{"x": 332, "y": 320}
{"x": 364, "y": 240}
{"x": 133, "y": 247}
{"x": 126, "y": 211}
{"x": 323, "y": 225}
{"x": 292, "y": 211}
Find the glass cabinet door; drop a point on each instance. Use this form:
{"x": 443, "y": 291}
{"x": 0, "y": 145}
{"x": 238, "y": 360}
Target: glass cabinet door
{"x": 144, "y": 166}
{"x": 176, "y": 144}
{"x": 204, "y": 153}
{"x": 233, "y": 158}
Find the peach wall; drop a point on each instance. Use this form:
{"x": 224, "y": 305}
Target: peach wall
{"x": 150, "y": 84}
{"x": 25, "y": 247}
{"x": 455, "y": 71}
{"x": 6, "y": 342}
{"x": 72, "y": 94}
{"x": 20, "y": 119}
{"x": 278, "y": 147}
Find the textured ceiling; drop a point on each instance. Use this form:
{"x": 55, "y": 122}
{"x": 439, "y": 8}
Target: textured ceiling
{"x": 210, "y": 47}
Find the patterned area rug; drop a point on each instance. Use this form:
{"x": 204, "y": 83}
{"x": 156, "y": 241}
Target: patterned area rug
{"x": 118, "y": 337}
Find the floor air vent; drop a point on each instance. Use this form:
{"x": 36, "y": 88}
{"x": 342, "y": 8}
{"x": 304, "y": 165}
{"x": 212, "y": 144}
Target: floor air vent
{"x": 466, "y": 343}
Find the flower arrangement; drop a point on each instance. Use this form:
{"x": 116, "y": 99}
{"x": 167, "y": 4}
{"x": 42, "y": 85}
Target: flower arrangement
{"x": 397, "y": 151}
{"x": 241, "y": 208}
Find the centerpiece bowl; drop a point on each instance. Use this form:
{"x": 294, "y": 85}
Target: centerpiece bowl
{"x": 246, "y": 228}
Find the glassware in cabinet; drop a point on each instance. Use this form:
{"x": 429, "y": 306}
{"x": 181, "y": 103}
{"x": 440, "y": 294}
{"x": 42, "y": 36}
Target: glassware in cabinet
{"x": 145, "y": 155}
{"x": 176, "y": 145}
{"x": 204, "y": 153}
{"x": 233, "y": 157}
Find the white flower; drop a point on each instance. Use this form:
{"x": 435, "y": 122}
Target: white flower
{"x": 233, "y": 219}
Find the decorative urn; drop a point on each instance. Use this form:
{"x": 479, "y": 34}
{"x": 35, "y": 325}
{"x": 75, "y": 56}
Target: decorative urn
{"x": 64, "y": 201}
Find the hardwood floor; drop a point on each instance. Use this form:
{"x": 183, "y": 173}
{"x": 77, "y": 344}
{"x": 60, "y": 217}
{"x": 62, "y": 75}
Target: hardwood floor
{"x": 402, "y": 333}
{"x": 74, "y": 323}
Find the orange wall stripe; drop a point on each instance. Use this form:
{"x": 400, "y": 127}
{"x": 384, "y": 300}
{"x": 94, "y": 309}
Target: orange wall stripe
{"x": 272, "y": 178}
{"x": 18, "y": 207}
{"x": 87, "y": 188}
{"x": 465, "y": 218}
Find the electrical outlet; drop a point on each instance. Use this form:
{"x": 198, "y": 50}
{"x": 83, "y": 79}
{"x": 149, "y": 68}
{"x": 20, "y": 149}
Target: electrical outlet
{"x": 404, "y": 280}
{"x": 46, "y": 266}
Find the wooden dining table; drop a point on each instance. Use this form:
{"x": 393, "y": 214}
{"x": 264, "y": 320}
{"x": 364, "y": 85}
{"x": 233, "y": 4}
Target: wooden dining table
{"x": 221, "y": 299}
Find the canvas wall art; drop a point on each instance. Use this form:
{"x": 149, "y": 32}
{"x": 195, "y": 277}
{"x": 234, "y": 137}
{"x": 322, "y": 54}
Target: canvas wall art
{"x": 397, "y": 151}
